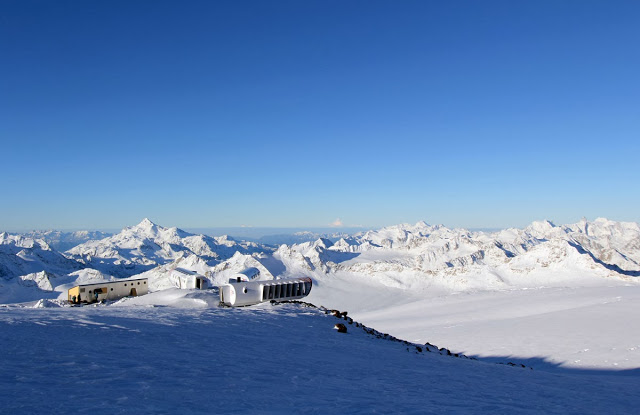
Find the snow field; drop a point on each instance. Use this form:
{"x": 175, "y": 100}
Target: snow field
{"x": 265, "y": 359}
{"x": 587, "y": 327}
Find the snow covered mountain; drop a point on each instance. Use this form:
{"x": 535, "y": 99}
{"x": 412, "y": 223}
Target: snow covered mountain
{"x": 21, "y": 255}
{"x": 63, "y": 241}
{"x": 142, "y": 247}
{"x": 417, "y": 257}
{"x": 299, "y": 237}
{"x": 30, "y": 268}
{"x": 422, "y": 255}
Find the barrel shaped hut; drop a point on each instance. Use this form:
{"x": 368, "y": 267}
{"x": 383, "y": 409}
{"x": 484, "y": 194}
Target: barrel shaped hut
{"x": 186, "y": 279}
{"x": 243, "y": 293}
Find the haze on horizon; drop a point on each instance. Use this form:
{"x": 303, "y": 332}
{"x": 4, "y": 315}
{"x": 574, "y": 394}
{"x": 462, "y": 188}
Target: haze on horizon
{"x": 307, "y": 114}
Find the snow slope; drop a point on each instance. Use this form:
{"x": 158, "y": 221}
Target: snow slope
{"x": 587, "y": 327}
{"x": 129, "y": 358}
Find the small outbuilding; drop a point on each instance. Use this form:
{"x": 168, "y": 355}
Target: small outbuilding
{"x": 186, "y": 279}
{"x": 108, "y": 290}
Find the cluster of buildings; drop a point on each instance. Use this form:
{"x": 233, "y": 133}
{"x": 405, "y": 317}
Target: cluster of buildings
{"x": 245, "y": 288}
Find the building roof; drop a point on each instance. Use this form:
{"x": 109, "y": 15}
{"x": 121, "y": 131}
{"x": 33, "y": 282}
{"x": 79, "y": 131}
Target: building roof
{"x": 249, "y": 272}
{"x": 109, "y": 282}
{"x": 186, "y": 271}
{"x": 280, "y": 281}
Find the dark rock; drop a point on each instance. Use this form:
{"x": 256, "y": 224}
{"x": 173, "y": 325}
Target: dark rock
{"x": 445, "y": 350}
{"x": 340, "y": 327}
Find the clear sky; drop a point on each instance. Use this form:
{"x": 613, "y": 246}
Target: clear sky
{"x": 299, "y": 113}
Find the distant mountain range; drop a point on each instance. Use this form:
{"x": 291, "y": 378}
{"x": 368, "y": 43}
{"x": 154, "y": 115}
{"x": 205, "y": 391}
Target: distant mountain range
{"x": 62, "y": 241}
{"x": 402, "y": 256}
{"x": 21, "y": 255}
{"x": 144, "y": 246}
{"x": 425, "y": 255}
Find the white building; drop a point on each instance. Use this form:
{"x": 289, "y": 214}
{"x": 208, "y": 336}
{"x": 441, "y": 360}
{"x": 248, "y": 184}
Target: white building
{"x": 241, "y": 293}
{"x": 109, "y": 290}
{"x": 185, "y": 279}
{"x": 247, "y": 274}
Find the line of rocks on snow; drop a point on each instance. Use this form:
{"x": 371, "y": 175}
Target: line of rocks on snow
{"x": 417, "y": 348}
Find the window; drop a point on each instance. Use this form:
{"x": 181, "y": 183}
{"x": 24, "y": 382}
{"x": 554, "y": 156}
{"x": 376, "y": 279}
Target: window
{"x": 112, "y": 289}
{"x": 125, "y": 284}
{"x": 81, "y": 290}
{"x": 145, "y": 282}
{"x": 244, "y": 290}
{"x": 138, "y": 282}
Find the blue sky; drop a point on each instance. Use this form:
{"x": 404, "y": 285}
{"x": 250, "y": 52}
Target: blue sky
{"x": 297, "y": 113}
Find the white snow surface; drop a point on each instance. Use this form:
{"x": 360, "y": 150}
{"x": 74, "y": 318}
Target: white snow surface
{"x": 174, "y": 351}
{"x": 591, "y": 327}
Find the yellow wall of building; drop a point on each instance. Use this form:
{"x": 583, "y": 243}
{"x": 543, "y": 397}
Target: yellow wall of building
{"x": 73, "y": 291}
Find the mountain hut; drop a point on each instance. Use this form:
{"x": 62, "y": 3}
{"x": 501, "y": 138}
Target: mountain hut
{"x": 242, "y": 293}
{"x": 108, "y": 290}
{"x": 186, "y": 279}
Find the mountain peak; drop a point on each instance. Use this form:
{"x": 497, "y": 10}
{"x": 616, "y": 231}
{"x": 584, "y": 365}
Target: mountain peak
{"x": 323, "y": 242}
{"x": 146, "y": 223}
